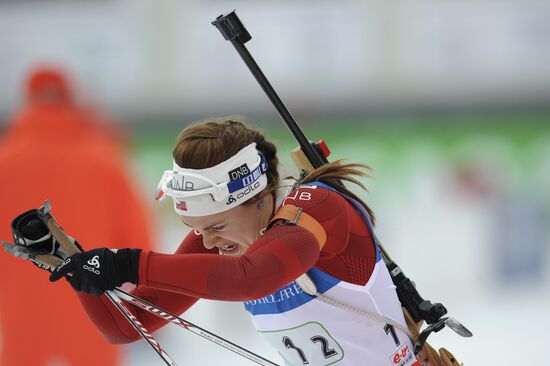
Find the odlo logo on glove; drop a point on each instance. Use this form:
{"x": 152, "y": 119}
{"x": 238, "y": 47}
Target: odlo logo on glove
{"x": 65, "y": 262}
{"x": 93, "y": 262}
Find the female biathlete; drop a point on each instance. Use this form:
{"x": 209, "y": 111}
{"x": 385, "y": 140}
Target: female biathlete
{"x": 247, "y": 245}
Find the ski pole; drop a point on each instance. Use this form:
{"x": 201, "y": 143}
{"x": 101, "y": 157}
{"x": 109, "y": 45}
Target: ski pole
{"x": 136, "y": 324}
{"x": 66, "y": 243}
{"x": 118, "y": 294}
{"x": 166, "y": 315}
{"x": 54, "y": 261}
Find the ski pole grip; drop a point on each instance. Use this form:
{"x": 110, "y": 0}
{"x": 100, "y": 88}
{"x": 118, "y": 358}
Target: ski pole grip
{"x": 62, "y": 238}
{"x": 49, "y": 259}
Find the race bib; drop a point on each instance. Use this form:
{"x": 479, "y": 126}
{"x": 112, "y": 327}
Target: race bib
{"x": 307, "y": 344}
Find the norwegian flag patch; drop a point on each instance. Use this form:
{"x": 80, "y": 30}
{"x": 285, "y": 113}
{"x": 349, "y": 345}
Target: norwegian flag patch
{"x": 181, "y": 205}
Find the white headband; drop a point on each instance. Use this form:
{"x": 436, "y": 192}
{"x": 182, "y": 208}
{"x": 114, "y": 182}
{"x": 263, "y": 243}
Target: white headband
{"x": 202, "y": 192}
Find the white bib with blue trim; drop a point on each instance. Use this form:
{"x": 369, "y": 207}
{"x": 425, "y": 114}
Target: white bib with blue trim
{"x": 308, "y": 331}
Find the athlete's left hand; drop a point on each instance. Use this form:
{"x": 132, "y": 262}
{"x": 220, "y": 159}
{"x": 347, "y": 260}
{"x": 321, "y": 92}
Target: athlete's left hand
{"x": 99, "y": 270}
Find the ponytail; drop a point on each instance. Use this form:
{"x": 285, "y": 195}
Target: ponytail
{"x": 336, "y": 171}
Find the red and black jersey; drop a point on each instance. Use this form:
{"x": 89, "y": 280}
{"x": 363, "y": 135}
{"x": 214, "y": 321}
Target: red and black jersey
{"x": 176, "y": 281}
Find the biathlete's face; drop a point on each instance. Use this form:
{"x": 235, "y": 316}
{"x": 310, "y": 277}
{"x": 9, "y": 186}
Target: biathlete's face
{"x": 232, "y": 231}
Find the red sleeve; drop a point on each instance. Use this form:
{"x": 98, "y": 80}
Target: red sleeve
{"x": 329, "y": 209}
{"x": 175, "y": 282}
{"x": 277, "y": 258}
{"x": 112, "y": 324}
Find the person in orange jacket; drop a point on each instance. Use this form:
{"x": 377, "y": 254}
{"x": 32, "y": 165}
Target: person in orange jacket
{"x": 55, "y": 149}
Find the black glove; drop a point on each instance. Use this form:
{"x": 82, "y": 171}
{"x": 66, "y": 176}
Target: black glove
{"x": 99, "y": 270}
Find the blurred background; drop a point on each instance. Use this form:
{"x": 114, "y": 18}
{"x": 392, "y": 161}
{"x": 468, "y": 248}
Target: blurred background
{"x": 447, "y": 101}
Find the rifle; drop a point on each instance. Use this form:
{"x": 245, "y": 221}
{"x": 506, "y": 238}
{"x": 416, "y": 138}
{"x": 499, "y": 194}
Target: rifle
{"x": 310, "y": 156}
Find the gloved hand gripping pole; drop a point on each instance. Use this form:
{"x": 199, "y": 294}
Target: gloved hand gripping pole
{"x": 116, "y": 296}
{"x": 66, "y": 243}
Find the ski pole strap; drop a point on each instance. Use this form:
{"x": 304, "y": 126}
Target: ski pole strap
{"x": 62, "y": 238}
{"x": 292, "y": 215}
{"x": 49, "y": 260}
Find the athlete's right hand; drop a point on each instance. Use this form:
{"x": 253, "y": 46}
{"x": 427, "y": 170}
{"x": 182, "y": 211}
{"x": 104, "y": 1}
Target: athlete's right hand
{"x": 99, "y": 270}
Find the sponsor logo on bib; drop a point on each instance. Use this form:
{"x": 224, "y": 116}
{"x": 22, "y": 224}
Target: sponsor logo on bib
{"x": 402, "y": 357}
